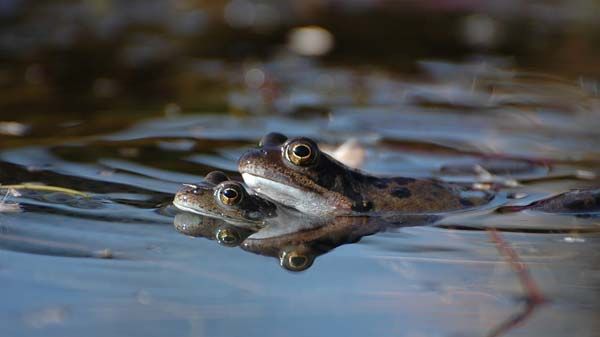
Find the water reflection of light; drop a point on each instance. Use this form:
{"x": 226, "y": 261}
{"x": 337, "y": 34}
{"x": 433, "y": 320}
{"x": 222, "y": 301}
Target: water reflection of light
{"x": 574, "y": 239}
{"x": 310, "y": 41}
{"x": 13, "y": 128}
{"x": 254, "y": 78}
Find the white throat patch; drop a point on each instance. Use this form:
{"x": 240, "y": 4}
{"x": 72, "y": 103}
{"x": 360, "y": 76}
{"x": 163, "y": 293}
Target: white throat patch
{"x": 307, "y": 202}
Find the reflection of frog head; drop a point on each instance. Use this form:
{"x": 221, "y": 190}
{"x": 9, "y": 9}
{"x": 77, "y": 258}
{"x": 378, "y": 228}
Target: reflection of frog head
{"x": 296, "y": 245}
{"x": 214, "y": 229}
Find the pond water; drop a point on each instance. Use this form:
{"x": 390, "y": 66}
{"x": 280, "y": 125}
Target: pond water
{"x": 110, "y": 262}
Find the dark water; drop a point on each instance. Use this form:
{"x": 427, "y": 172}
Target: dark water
{"x": 111, "y": 263}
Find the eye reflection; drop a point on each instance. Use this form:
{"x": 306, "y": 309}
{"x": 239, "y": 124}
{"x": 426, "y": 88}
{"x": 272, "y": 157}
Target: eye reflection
{"x": 295, "y": 261}
{"x": 227, "y": 237}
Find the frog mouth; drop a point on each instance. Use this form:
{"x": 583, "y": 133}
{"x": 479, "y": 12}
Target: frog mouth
{"x": 187, "y": 208}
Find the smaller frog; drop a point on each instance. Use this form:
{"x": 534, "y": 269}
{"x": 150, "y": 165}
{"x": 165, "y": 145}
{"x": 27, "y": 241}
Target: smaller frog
{"x": 198, "y": 198}
{"x": 219, "y": 197}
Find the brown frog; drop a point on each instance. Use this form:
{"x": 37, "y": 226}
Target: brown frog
{"x": 219, "y": 197}
{"x": 295, "y": 173}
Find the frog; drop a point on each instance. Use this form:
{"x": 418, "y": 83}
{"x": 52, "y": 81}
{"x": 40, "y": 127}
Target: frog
{"x": 296, "y": 173}
{"x": 295, "y": 238}
{"x": 220, "y": 197}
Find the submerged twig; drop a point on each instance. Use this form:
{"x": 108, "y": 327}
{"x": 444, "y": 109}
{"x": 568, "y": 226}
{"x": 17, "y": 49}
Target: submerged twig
{"x": 534, "y": 296}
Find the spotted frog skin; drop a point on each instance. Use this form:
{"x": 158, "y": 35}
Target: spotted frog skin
{"x": 219, "y": 197}
{"x": 295, "y": 173}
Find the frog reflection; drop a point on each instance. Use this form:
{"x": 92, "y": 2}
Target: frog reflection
{"x": 224, "y": 233}
{"x": 295, "y": 239}
{"x": 297, "y": 243}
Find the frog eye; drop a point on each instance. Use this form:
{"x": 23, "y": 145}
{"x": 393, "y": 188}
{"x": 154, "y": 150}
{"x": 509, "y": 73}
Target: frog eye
{"x": 229, "y": 194}
{"x": 295, "y": 261}
{"x": 227, "y": 237}
{"x": 300, "y": 153}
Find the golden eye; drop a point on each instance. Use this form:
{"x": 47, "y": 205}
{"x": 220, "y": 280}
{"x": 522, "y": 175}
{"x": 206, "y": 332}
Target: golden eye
{"x": 227, "y": 237}
{"x": 300, "y": 154}
{"x": 229, "y": 196}
{"x": 295, "y": 261}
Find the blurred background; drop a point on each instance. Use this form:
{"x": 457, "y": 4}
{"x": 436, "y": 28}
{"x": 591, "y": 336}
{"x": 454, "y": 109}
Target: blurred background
{"x": 125, "y": 100}
{"x": 77, "y": 57}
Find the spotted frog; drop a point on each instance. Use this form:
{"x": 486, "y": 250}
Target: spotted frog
{"x": 295, "y": 173}
{"x": 220, "y": 197}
